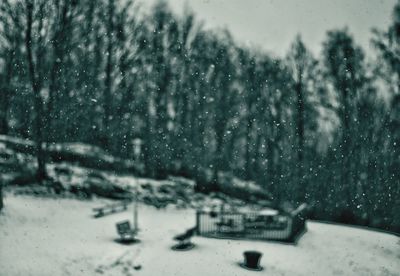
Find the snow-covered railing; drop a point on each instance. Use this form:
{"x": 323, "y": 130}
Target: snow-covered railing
{"x": 250, "y": 225}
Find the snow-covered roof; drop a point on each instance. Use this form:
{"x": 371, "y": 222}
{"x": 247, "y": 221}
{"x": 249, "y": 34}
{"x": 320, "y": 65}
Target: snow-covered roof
{"x": 268, "y": 212}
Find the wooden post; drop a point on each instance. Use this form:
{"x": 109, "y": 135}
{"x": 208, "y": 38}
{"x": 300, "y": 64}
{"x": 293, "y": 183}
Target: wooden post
{"x": 222, "y": 211}
{"x": 1, "y": 196}
{"x": 198, "y": 222}
{"x": 135, "y": 211}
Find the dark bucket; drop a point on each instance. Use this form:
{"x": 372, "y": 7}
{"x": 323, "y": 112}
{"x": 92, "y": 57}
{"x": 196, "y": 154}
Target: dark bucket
{"x": 252, "y": 259}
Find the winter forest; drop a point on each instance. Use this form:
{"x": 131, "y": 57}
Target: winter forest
{"x": 175, "y": 98}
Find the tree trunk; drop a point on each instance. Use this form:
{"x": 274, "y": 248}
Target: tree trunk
{"x": 38, "y": 104}
{"x": 249, "y": 127}
{"x": 4, "y": 106}
{"x": 5, "y": 96}
{"x": 301, "y": 190}
{"x": 148, "y": 143}
{"x": 55, "y": 74}
{"x": 107, "y": 81}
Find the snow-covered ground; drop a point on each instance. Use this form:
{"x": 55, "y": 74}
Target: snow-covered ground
{"x": 43, "y": 236}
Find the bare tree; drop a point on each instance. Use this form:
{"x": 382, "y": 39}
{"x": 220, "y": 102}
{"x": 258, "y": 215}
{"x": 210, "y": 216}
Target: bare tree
{"x": 301, "y": 65}
{"x": 36, "y": 85}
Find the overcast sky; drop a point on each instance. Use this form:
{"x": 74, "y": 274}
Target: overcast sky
{"x": 273, "y": 24}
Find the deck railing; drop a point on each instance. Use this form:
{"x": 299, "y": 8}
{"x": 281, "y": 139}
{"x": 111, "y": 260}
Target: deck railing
{"x": 251, "y": 225}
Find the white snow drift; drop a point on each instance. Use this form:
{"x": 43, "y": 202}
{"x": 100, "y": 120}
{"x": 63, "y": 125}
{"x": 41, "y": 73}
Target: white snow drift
{"x": 42, "y": 236}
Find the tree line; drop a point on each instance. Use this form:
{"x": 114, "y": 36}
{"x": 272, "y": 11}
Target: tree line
{"x": 318, "y": 129}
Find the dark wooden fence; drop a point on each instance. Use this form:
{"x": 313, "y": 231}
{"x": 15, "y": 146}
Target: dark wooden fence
{"x": 251, "y": 225}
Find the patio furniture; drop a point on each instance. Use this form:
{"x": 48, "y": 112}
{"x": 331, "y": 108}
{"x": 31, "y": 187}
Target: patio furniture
{"x": 184, "y": 240}
{"x": 126, "y": 233}
{"x": 110, "y": 209}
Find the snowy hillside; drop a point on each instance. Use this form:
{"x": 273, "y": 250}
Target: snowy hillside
{"x": 81, "y": 170}
{"x": 43, "y": 236}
